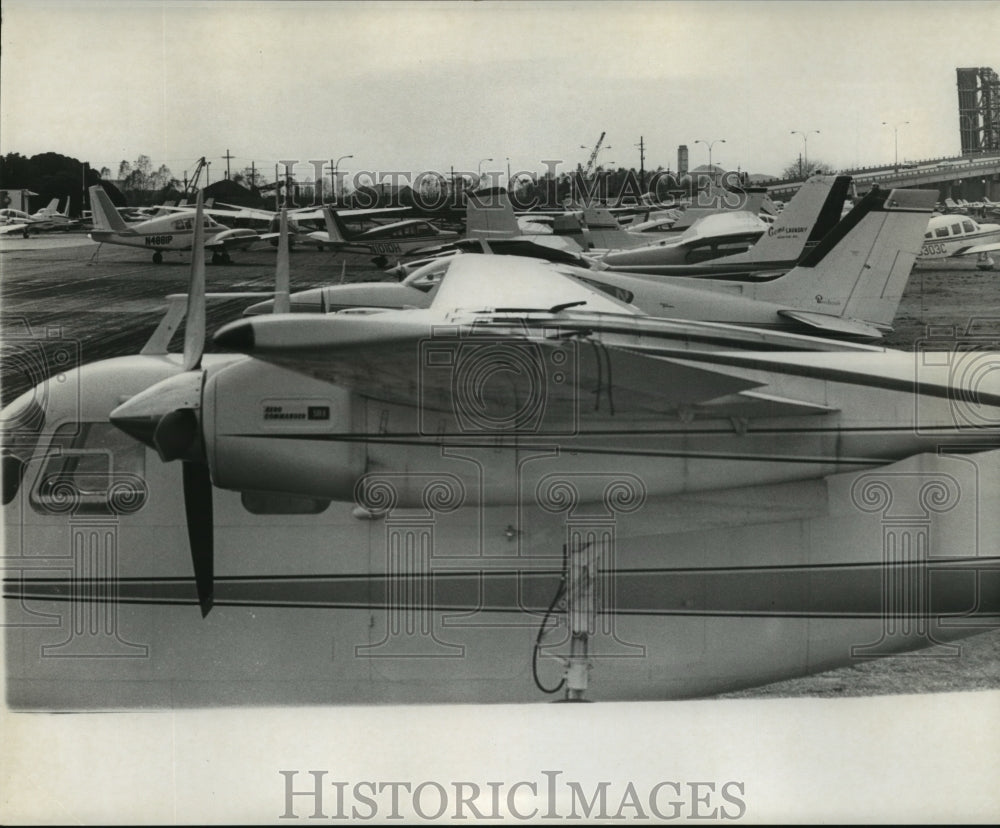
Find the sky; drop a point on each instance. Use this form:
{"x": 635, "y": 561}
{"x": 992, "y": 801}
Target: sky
{"x": 429, "y": 86}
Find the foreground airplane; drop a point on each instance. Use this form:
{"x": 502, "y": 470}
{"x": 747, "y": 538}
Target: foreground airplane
{"x": 528, "y": 488}
{"x": 172, "y": 231}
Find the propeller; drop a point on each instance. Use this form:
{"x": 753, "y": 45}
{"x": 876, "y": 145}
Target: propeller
{"x": 167, "y": 418}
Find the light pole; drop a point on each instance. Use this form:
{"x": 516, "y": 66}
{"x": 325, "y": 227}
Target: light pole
{"x": 508, "y": 173}
{"x": 479, "y": 169}
{"x": 805, "y": 146}
{"x": 711, "y": 144}
{"x": 336, "y": 168}
{"x": 895, "y": 142}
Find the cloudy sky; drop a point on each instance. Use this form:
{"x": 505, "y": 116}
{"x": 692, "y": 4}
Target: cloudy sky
{"x": 404, "y": 86}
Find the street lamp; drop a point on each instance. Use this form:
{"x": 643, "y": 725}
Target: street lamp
{"x": 805, "y": 146}
{"x": 711, "y": 144}
{"x": 336, "y": 169}
{"x": 479, "y": 169}
{"x": 895, "y": 141}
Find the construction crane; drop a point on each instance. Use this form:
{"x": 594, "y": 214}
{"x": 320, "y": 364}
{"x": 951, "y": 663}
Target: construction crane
{"x": 592, "y": 163}
{"x": 192, "y": 186}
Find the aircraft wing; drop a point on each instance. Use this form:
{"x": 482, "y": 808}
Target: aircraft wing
{"x": 980, "y": 248}
{"x": 499, "y": 359}
{"x": 307, "y": 213}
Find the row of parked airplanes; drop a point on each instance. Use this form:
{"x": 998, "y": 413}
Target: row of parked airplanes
{"x": 682, "y": 477}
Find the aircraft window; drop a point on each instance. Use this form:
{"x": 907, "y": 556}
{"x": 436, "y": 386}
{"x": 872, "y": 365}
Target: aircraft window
{"x": 941, "y": 232}
{"x": 928, "y": 235}
{"x": 956, "y": 229}
{"x": 22, "y": 424}
{"x": 92, "y": 468}
{"x": 968, "y": 227}
{"x": 271, "y": 503}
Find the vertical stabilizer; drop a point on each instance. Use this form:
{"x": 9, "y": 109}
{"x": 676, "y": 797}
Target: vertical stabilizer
{"x": 335, "y": 228}
{"x": 489, "y": 215}
{"x": 859, "y": 271}
{"x": 810, "y": 216}
{"x": 105, "y": 215}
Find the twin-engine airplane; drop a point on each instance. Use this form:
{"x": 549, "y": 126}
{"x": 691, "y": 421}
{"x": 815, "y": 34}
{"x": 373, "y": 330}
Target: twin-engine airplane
{"x": 848, "y": 286}
{"x": 528, "y": 487}
{"x": 173, "y": 231}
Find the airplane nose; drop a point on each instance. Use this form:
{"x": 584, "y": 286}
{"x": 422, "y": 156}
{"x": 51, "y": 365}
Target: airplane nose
{"x": 164, "y": 416}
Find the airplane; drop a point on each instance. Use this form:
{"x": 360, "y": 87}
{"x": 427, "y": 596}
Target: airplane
{"x": 15, "y": 221}
{"x": 45, "y": 218}
{"x": 956, "y": 235}
{"x": 526, "y": 490}
{"x": 701, "y": 250}
{"x": 172, "y": 231}
{"x": 393, "y": 239}
{"x": 848, "y": 286}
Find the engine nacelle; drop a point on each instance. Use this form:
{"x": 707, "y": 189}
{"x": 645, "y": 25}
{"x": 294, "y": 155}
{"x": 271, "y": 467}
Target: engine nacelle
{"x": 271, "y": 429}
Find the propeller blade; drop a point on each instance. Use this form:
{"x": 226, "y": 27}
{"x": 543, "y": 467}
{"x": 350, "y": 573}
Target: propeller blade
{"x": 282, "y": 302}
{"x": 194, "y": 326}
{"x": 201, "y": 531}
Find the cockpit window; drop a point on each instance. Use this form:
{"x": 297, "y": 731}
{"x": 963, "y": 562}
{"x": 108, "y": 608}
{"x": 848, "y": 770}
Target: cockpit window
{"x": 941, "y": 232}
{"x": 92, "y": 468}
{"x": 968, "y": 227}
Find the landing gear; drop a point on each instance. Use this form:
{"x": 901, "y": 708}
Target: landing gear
{"x": 984, "y": 262}
{"x": 380, "y": 262}
{"x": 157, "y": 257}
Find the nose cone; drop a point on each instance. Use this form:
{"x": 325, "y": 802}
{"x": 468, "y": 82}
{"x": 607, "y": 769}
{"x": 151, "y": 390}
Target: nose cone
{"x": 151, "y": 417}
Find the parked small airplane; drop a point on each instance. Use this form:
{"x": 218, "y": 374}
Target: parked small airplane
{"x": 812, "y": 213}
{"x": 394, "y": 239}
{"x": 956, "y": 235}
{"x": 173, "y": 231}
{"x": 45, "y": 218}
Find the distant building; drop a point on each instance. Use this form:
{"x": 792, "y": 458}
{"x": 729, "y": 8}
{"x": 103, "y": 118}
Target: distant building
{"x": 979, "y": 110}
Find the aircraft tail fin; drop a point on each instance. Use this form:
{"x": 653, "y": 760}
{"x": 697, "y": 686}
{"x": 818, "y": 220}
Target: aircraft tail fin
{"x": 859, "y": 271}
{"x": 489, "y": 215}
{"x": 51, "y": 207}
{"x": 105, "y": 215}
{"x": 604, "y": 231}
{"x": 809, "y": 216}
{"x": 335, "y": 227}
{"x": 65, "y": 212}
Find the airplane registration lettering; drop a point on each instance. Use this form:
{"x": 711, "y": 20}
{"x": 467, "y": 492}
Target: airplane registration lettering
{"x": 932, "y": 249}
{"x": 386, "y": 247}
{"x": 157, "y": 241}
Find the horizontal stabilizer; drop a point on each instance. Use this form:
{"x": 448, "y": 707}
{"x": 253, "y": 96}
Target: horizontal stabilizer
{"x": 834, "y": 325}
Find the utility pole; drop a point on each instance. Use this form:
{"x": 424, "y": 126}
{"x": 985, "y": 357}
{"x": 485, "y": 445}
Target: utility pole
{"x": 227, "y": 156}
{"x": 253, "y": 176}
{"x": 642, "y": 164}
